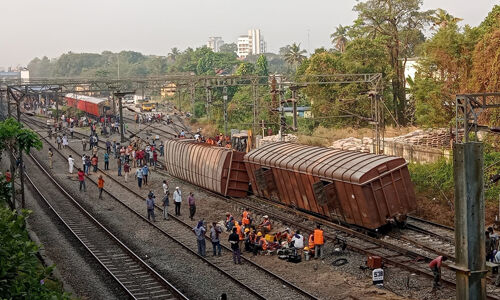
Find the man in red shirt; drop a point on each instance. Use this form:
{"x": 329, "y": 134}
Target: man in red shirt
{"x": 435, "y": 266}
{"x": 81, "y": 179}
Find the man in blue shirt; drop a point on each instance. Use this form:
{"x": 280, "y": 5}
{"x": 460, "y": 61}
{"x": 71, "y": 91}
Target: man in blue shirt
{"x": 150, "y": 203}
{"x": 145, "y": 172}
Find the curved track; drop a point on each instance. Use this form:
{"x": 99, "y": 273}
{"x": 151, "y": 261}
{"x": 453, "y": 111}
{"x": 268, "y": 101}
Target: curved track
{"x": 259, "y": 281}
{"x": 136, "y": 277}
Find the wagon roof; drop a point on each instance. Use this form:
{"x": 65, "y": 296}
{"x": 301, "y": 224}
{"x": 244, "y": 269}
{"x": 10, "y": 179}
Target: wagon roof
{"x": 326, "y": 163}
{"x": 85, "y": 98}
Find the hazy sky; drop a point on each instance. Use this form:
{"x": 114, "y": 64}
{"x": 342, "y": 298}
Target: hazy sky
{"x": 34, "y": 28}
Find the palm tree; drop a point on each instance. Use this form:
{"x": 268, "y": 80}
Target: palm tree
{"x": 295, "y": 55}
{"x": 174, "y": 52}
{"x": 442, "y": 19}
{"x": 339, "y": 37}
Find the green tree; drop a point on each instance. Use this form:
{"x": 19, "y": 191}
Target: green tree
{"x": 339, "y": 37}
{"x": 174, "y": 52}
{"x": 245, "y": 68}
{"x": 261, "y": 68}
{"x": 399, "y": 23}
{"x": 442, "y": 18}
{"x": 228, "y": 48}
{"x": 295, "y": 55}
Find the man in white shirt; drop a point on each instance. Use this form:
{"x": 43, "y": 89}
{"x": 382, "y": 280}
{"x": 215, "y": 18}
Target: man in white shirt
{"x": 177, "y": 201}
{"x": 298, "y": 240}
{"x": 71, "y": 163}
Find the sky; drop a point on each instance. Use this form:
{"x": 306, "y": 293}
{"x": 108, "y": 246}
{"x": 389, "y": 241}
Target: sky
{"x": 37, "y": 28}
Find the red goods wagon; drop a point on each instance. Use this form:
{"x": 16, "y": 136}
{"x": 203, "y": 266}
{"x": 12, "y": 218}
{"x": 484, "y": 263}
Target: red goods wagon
{"x": 358, "y": 188}
{"x": 220, "y": 170}
{"x": 91, "y": 105}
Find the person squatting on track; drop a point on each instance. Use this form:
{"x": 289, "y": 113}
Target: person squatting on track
{"x": 177, "y": 201}
{"x": 435, "y": 266}
{"x": 81, "y": 179}
{"x": 199, "y": 231}
{"x": 150, "y": 204}
{"x": 100, "y": 185}
{"x": 192, "y": 205}
{"x": 71, "y": 164}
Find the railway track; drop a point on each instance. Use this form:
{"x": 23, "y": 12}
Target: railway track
{"x": 260, "y": 282}
{"x": 136, "y": 277}
{"x": 403, "y": 256}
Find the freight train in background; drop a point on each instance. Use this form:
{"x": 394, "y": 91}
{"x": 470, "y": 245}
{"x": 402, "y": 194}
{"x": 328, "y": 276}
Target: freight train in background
{"x": 361, "y": 189}
{"x": 91, "y": 105}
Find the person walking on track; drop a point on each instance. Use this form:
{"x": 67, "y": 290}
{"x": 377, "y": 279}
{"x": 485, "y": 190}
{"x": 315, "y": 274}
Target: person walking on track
{"x": 192, "y": 205}
{"x": 71, "y": 164}
{"x": 138, "y": 175}
{"x": 100, "y": 185}
{"x": 150, "y": 204}
{"x": 177, "y": 201}
{"x": 119, "y": 165}
{"x": 106, "y": 161}
{"x": 435, "y": 266}
{"x": 215, "y": 238}
{"x": 234, "y": 239}
{"x": 126, "y": 170}
{"x": 50, "y": 155}
{"x": 81, "y": 179}
{"x": 145, "y": 173}
{"x": 199, "y": 231}
{"x": 84, "y": 144}
{"x": 166, "y": 204}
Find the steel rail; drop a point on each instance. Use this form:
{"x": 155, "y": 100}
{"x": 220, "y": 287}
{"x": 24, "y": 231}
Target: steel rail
{"x": 127, "y": 282}
{"x": 245, "y": 286}
{"x": 253, "y": 291}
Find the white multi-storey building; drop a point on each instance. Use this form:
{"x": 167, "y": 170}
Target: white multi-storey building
{"x": 214, "y": 43}
{"x": 253, "y": 43}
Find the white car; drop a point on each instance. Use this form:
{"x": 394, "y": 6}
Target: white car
{"x": 129, "y": 101}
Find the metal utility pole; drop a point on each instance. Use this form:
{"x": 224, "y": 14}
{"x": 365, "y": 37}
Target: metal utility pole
{"x": 294, "y": 105}
{"x": 120, "y": 96}
{"x": 470, "y": 249}
{"x": 192, "y": 90}
{"x": 209, "y": 100}
{"x": 468, "y": 171}
{"x": 224, "y": 97}
{"x": 20, "y": 152}
{"x": 255, "y": 107}
{"x": 282, "y": 113}
{"x": 8, "y": 103}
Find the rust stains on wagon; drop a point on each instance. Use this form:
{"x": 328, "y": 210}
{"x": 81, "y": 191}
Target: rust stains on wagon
{"x": 214, "y": 168}
{"x": 359, "y": 188}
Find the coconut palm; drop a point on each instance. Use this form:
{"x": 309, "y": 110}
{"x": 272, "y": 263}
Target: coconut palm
{"x": 442, "y": 19}
{"x": 174, "y": 52}
{"x": 295, "y": 55}
{"x": 339, "y": 37}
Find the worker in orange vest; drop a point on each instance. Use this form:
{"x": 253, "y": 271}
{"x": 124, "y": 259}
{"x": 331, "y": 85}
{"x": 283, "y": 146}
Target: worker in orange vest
{"x": 265, "y": 225}
{"x": 319, "y": 241}
{"x": 310, "y": 244}
{"x": 100, "y": 185}
{"x": 239, "y": 232}
{"x": 245, "y": 220}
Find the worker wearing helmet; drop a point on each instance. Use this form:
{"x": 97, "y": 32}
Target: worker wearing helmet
{"x": 246, "y": 239}
{"x": 259, "y": 244}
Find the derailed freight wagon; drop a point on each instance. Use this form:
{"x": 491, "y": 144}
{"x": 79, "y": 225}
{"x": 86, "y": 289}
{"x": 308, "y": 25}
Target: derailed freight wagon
{"x": 358, "y": 188}
{"x": 214, "y": 168}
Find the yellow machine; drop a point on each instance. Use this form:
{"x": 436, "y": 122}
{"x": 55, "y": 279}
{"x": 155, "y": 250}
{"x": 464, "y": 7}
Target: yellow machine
{"x": 147, "y": 106}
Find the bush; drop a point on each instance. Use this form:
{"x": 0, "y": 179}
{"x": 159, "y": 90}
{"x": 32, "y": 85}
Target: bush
{"x": 21, "y": 274}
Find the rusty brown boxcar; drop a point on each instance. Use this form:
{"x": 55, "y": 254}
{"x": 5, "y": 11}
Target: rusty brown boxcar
{"x": 358, "y": 188}
{"x": 217, "y": 169}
